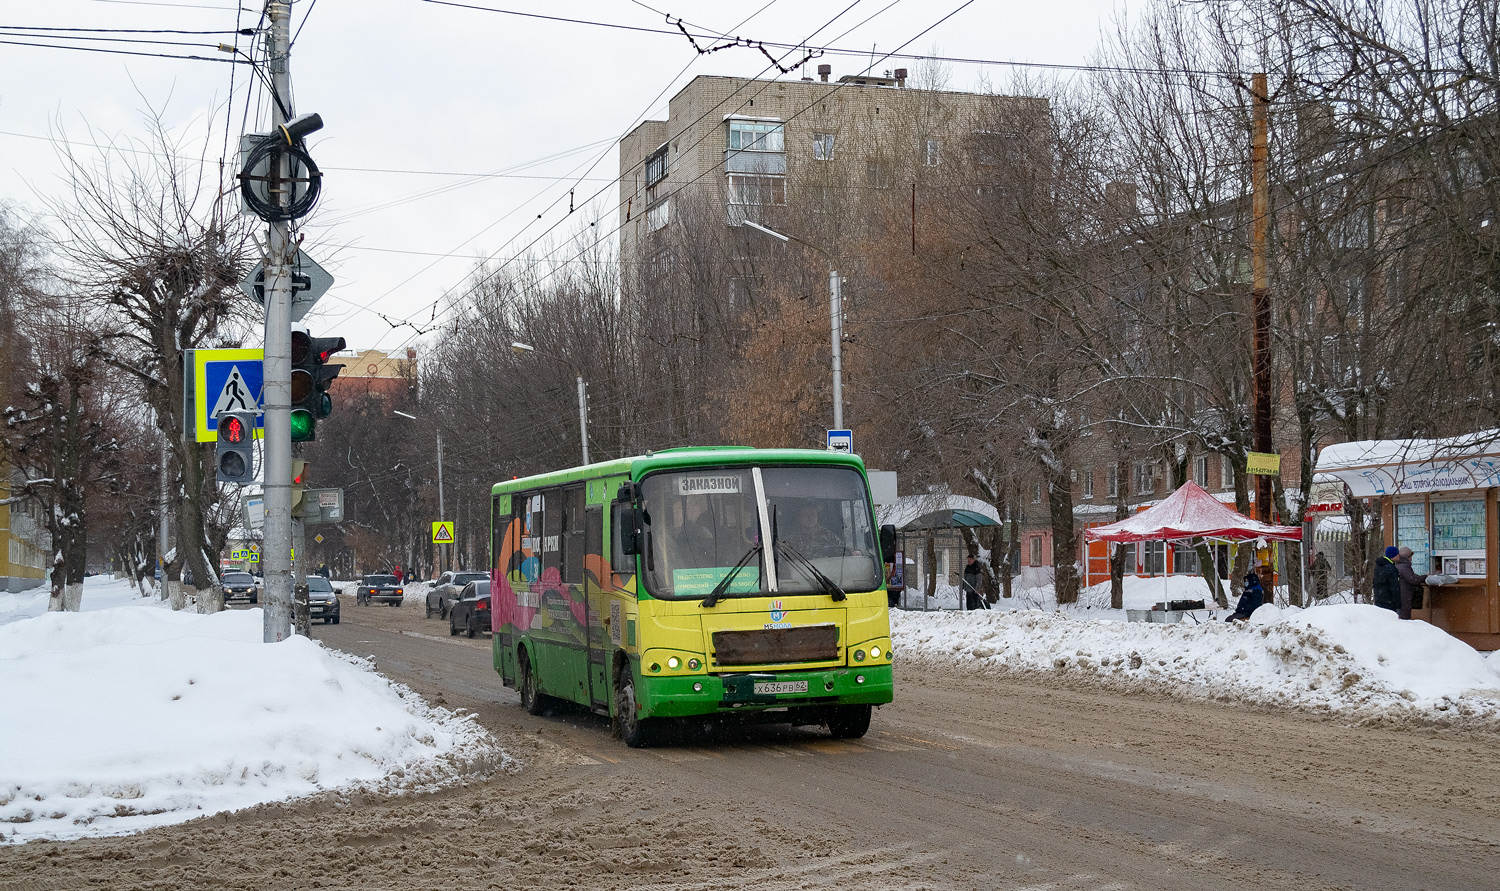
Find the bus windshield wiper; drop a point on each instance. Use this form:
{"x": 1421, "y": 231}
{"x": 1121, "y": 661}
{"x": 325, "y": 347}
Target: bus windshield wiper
{"x": 828, "y": 585}
{"x": 723, "y": 586}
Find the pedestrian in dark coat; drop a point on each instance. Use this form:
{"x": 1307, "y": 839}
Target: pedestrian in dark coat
{"x": 1250, "y": 600}
{"x": 1320, "y": 573}
{"x": 1387, "y": 587}
{"x": 972, "y": 582}
{"x": 1411, "y": 583}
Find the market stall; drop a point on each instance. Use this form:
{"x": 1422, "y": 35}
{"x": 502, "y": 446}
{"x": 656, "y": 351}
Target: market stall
{"x": 1191, "y": 514}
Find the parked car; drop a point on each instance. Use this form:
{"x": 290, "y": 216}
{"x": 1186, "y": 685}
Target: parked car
{"x": 379, "y": 589}
{"x": 471, "y": 611}
{"x": 447, "y": 589}
{"x": 241, "y": 586}
{"x": 322, "y": 600}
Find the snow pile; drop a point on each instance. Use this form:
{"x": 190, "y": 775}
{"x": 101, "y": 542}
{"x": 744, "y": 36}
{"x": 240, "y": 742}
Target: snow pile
{"x": 1347, "y": 658}
{"x": 135, "y": 716}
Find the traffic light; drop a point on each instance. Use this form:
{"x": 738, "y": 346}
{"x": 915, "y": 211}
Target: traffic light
{"x": 311, "y": 375}
{"x": 299, "y": 476}
{"x": 234, "y": 455}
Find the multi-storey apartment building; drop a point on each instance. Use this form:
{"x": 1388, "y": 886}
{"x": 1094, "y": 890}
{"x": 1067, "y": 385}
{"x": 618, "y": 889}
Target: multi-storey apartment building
{"x": 765, "y": 150}
{"x": 26, "y": 543}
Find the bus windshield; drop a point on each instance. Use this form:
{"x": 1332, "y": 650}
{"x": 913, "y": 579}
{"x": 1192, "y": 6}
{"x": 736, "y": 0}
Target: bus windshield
{"x": 702, "y": 524}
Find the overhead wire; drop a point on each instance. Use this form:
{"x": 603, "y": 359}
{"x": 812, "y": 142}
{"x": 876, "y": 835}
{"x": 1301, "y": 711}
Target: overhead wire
{"x": 434, "y": 305}
{"x": 765, "y": 85}
{"x": 638, "y": 118}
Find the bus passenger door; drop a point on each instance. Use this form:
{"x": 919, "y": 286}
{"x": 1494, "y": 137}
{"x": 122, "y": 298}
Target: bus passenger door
{"x": 596, "y": 590}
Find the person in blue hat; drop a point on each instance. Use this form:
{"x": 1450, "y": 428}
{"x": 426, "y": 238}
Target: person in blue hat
{"x": 1250, "y": 599}
{"x": 1388, "y": 581}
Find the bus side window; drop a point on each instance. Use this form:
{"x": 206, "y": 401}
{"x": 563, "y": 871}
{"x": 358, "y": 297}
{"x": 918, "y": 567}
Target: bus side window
{"x": 573, "y": 543}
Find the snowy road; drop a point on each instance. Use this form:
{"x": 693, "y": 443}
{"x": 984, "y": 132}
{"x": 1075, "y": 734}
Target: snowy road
{"x": 965, "y": 782}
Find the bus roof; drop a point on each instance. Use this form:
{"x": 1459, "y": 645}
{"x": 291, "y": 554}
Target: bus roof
{"x": 696, "y": 456}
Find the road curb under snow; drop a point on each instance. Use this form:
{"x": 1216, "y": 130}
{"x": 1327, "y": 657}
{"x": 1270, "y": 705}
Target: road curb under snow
{"x": 1354, "y": 662}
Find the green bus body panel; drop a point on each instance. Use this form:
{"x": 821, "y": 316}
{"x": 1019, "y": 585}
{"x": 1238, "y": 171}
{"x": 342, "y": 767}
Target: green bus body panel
{"x": 574, "y": 634}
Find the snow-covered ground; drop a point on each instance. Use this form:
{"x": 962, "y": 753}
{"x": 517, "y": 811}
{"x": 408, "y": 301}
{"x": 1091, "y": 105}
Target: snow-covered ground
{"x": 129, "y": 715}
{"x": 1347, "y": 658}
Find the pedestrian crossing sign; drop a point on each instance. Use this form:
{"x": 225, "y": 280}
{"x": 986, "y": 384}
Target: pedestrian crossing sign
{"x": 224, "y": 381}
{"x": 442, "y": 532}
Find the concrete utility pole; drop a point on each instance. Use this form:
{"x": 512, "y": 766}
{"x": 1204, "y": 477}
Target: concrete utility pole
{"x": 276, "y": 557}
{"x": 1260, "y": 292}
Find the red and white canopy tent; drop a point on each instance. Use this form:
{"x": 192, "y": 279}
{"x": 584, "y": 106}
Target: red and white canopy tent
{"x": 1191, "y": 513}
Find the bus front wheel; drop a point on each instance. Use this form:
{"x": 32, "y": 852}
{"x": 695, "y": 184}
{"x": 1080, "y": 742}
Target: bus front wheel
{"x": 634, "y": 730}
{"x": 531, "y": 695}
{"x": 849, "y": 721}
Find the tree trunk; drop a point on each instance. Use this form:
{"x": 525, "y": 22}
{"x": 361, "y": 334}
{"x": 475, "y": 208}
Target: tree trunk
{"x": 1064, "y": 535}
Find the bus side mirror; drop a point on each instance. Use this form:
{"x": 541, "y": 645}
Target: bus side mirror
{"x": 628, "y": 520}
{"x": 888, "y": 543}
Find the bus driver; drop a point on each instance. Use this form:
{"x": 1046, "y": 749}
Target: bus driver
{"x": 810, "y": 536}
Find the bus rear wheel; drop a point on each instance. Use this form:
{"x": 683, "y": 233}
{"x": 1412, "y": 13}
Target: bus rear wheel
{"x": 849, "y": 721}
{"x": 531, "y": 696}
{"x": 634, "y": 731}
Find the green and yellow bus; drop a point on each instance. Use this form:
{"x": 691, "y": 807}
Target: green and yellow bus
{"x": 714, "y": 581}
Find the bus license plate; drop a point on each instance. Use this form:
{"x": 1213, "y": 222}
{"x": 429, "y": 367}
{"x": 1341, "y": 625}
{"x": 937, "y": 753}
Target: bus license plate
{"x": 768, "y": 688}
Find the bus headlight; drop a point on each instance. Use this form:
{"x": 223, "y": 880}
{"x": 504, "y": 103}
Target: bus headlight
{"x": 859, "y": 655}
{"x": 673, "y": 663}
{"x": 874, "y": 652}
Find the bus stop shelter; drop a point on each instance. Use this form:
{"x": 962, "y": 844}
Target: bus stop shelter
{"x": 937, "y": 516}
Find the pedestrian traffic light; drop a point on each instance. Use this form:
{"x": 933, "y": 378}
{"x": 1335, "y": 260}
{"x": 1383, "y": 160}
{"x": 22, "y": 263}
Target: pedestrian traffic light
{"x": 234, "y": 455}
{"x": 311, "y": 376}
{"x": 299, "y": 476}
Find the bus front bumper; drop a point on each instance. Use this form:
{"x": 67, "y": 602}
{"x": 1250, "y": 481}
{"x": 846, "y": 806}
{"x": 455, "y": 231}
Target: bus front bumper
{"x": 662, "y": 697}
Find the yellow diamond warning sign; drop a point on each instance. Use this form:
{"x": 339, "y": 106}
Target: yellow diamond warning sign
{"x": 442, "y": 532}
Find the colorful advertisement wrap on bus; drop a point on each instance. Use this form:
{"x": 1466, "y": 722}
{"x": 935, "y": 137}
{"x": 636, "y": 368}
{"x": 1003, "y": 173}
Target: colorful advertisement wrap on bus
{"x": 760, "y": 586}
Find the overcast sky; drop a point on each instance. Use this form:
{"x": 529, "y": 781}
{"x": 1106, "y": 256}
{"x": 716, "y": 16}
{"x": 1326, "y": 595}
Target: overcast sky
{"x": 454, "y": 133}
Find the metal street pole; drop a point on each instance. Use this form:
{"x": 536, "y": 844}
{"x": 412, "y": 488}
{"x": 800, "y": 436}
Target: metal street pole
{"x": 583, "y": 403}
{"x": 836, "y": 312}
{"x": 583, "y": 419}
{"x": 277, "y": 555}
{"x": 442, "y": 507}
{"x": 836, "y": 319}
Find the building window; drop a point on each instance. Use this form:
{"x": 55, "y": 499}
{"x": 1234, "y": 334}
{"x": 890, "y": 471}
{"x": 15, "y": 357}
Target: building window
{"x": 756, "y": 136}
{"x": 659, "y": 215}
{"x": 1036, "y": 550}
{"x": 1145, "y": 477}
{"x": 753, "y": 189}
{"x": 1200, "y": 470}
{"x": 1112, "y": 481}
{"x": 879, "y": 174}
{"x": 1088, "y": 482}
{"x": 930, "y": 155}
{"x": 822, "y": 146}
{"x": 1036, "y": 493}
{"x": 1226, "y": 472}
{"x": 656, "y": 166}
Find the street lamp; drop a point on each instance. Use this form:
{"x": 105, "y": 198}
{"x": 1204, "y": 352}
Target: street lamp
{"x": 442, "y": 509}
{"x": 835, "y": 311}
{"x": 583, "y": 405}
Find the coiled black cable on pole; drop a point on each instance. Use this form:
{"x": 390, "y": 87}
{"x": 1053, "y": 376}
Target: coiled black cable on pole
{"x": 271, "y": 151}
